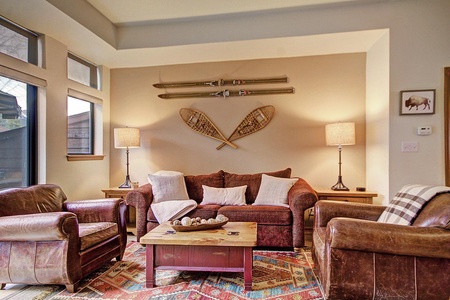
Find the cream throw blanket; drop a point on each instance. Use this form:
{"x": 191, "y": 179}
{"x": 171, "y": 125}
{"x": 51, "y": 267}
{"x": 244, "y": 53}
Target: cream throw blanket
{"x": 408, "y": 202}
{"x": 172, "y": 210}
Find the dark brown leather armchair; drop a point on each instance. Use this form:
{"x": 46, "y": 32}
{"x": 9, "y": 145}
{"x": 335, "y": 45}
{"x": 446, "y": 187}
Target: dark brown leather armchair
{"x": 45, "y": 240}
{"x": 359, "y": 258}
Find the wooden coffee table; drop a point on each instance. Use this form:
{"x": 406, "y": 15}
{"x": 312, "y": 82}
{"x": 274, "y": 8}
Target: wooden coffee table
{"x": 218, "y": 250}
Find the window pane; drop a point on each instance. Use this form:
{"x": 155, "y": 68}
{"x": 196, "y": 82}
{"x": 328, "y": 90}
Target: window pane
{"x": 80, "y": 125}
{"x": 81, "y": 71}
{"x": 18, "y": 42}
{"x": 13, "y": 44}
{"x": 14, "y": 134}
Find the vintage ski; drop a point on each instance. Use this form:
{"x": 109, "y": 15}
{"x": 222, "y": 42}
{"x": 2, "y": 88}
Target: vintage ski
{"x": 228, "y": 93}
{"x": 220, "y": 82}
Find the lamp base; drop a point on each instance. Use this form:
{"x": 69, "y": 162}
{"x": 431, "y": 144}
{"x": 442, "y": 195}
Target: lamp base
{"x": 126, "y": 184}
{"x": 339, "y": 186}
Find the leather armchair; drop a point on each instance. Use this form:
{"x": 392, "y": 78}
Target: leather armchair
{"x": 359, "y": 258}
{"x": 45, "y": 240}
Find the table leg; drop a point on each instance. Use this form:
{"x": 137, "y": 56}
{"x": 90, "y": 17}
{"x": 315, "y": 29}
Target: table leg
{"x": 248, "y": 265}
{"x": 150, "y": 266}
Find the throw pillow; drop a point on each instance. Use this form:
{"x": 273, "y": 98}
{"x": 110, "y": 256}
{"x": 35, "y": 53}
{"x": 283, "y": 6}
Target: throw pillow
{"x": 224, "y": 196}
{"x": 168, "y": 187}
{"x": 274, "y": 191}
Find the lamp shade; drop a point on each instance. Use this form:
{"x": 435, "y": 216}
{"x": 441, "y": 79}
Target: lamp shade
{"x": 127, "y": 138}
{"x": 340, "y": 134}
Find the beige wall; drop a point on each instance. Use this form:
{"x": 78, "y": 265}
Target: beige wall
{"x": 78, "y": 179}
{"x": 329, "y": 88}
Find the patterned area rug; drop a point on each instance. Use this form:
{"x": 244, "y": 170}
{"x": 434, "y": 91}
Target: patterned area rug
{"x": 276, "y": 275}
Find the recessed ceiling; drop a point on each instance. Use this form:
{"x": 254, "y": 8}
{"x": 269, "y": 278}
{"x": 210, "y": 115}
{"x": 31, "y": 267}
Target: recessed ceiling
{"x": 138, "y": 33}
{"x": 123, "y": 12}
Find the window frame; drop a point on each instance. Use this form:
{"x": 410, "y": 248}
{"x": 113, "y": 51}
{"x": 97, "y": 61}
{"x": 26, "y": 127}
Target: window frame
{"x": 31, "y": 36}
{"x": 93, "y": 70}
{"x": 92, "y": 116}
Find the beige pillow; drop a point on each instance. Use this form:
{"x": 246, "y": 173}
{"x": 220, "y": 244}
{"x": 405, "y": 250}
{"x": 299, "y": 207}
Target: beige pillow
{"x": 224, "y": 196}
{"x": 274, "y": 190}
{"x": 168, "y": 187}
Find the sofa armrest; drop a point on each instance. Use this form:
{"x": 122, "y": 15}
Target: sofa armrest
{"x": 140, "y": 199}
{"x": 388, "y": 238}
{"x": 39, "y": 227}
{"x": 325, "y": 210}
{"x": 301, "y": 197}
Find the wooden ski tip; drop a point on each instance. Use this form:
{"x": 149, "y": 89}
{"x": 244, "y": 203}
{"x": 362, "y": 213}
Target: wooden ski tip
{"x": 158, "y": 85}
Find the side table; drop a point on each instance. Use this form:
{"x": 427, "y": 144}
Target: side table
{"x": 329, "y": 194}
{"x": 349, "y": 196}
{"x": 116, "y": 192}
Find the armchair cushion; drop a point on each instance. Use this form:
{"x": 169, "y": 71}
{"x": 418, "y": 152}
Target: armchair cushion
{"x": 95, "y": 233}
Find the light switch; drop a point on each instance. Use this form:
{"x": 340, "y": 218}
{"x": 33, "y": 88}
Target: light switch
{"x": 424, "y": 130}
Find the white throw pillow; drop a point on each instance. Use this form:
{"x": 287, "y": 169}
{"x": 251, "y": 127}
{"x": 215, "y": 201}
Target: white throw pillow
{"x": 274, "y": 190}
{"x": 224, "y": 196}
{"x": 168, "y": 187}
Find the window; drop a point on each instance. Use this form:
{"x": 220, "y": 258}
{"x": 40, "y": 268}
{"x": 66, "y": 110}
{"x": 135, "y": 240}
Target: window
{"x": 18, "y": 42}
{"x": 80, "y": 129}
{"x": 82, "y": 71}
{"x": 18, "y": 133}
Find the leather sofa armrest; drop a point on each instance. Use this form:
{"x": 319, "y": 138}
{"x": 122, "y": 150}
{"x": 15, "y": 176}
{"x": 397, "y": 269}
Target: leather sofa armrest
{"x": 325, "y": 210}
{"x": 98, "y": 210}
{"x": 141, "y": 198}
{"x": 39, "y": 227}
{"x": 370, "y": 236}
{"x": 300, "y": 197}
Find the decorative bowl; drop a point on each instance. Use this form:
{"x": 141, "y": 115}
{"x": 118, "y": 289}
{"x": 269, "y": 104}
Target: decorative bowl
{"x": 199, "y": 227}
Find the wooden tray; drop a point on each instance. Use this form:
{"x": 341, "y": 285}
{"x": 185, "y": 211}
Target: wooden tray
{"x": 198, "y": 227}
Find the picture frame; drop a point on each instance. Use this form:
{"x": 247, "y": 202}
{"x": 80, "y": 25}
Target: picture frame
{"x": 417, "y": 102}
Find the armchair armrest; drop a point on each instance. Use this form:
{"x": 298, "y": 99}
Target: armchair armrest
{"x": 39, "y": 227}
{"x": 370, "y": 236}
{"x": 300, "y": 197}
{"x": 141, "y": 198}
{"x": 98, "y": 210}
{"x": 325, "y": 210}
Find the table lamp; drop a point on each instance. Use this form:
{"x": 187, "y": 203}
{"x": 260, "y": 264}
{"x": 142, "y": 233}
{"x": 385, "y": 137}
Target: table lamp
{"x": 125, "y": 138}
{"x": 338, "y": 134}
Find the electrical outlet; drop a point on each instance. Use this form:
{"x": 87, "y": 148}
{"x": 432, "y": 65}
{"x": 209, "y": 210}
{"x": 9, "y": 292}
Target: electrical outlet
{"x": 410, "y": 146}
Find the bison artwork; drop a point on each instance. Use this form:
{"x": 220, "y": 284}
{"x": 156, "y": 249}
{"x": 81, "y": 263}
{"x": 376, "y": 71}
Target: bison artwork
{"x": 417, "y": 101}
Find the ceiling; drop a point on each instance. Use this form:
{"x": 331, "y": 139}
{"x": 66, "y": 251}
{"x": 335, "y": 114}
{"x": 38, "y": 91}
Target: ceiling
{"x": 126, "y": 12}
{"x": 138, "y": 33}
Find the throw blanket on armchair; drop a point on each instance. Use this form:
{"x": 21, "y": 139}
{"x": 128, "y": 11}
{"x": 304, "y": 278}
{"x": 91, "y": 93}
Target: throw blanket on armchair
{"x": 172, "y": 210}
{"x": 407, "y": 203}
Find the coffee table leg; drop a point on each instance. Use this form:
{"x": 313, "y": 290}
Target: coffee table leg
{"x": 149, "y": 266}
{"x": 248, "y": 265}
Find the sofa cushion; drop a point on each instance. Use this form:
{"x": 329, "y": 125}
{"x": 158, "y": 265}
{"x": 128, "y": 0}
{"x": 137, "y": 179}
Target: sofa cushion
{"x": 168, "y": 187}
{"x": 194, "y": 184}
{"x": 205, "y": 211}
{"x": 224, "y": 196}
{"x": 252, "y": 181}
{"x": 274, "y": 190}
{"x": 94, "y": 233}
{"x": 266, "y": 215}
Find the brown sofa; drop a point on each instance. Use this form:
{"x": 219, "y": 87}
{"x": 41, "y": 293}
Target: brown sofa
{"x": 45, "y": 240}
{"x": 359, "y": 258}
{"x": 278, "y": 226}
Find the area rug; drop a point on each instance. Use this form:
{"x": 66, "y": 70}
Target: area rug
{"x": 277, "y": 275}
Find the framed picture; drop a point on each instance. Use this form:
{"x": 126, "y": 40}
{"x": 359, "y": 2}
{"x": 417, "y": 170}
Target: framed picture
{"x": 417, "y": 102}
